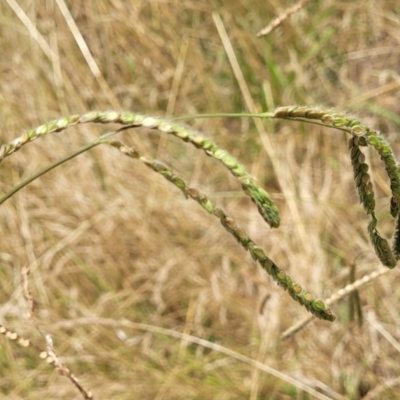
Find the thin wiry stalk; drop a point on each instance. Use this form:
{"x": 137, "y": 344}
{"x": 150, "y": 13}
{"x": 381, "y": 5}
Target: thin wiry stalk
{"x": 126, "y": 323}
{"x": 305, "y": 298}
{"x": 260, "y": 197}
{"x": 355, "y": 308}
{"x": 282, "y": 17}
{"x": 63, "y": 370}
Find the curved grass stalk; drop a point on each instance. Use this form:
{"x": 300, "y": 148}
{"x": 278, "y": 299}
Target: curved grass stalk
{"x": 260, "y": 197}
{"x": 131, "y": 325}
{"x": 302, "y": 296}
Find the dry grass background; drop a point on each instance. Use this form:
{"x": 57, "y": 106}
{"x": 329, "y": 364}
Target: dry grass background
{"x": 112, "y": 245}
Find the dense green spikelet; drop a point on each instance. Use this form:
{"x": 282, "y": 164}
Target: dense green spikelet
{"x": 396, "y": 240}
{"x": 387, "y": 156}
{"x": 366, "y": 194}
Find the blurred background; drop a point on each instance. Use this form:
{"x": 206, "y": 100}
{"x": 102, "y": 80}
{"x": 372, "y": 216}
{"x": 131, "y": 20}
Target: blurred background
{"x": 116, "y": 251}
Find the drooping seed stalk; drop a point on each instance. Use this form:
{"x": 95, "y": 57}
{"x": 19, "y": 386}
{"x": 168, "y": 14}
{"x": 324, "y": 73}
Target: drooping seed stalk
{"x": 362, "y": 136}
{"x": 260, "y": 197}
{"x": 302, "y": 296}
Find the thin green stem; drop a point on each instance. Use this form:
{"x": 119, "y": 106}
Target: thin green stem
{"x": 63, "y": 160}
{"x": 225, "y": 115}
{"x": 45, "y": 170}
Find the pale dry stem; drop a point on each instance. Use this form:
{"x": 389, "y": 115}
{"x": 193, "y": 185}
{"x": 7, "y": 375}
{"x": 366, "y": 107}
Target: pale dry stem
{"x": 358, "y": 284}
{"x": 282, "y": 17}
{"x": 52, "y": 358}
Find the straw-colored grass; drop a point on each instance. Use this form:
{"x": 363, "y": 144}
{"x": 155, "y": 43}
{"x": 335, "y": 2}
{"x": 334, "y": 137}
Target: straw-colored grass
{"x": 142, "y": 293}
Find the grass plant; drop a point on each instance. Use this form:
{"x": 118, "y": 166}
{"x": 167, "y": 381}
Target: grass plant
{"x": 129, "y": 290}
